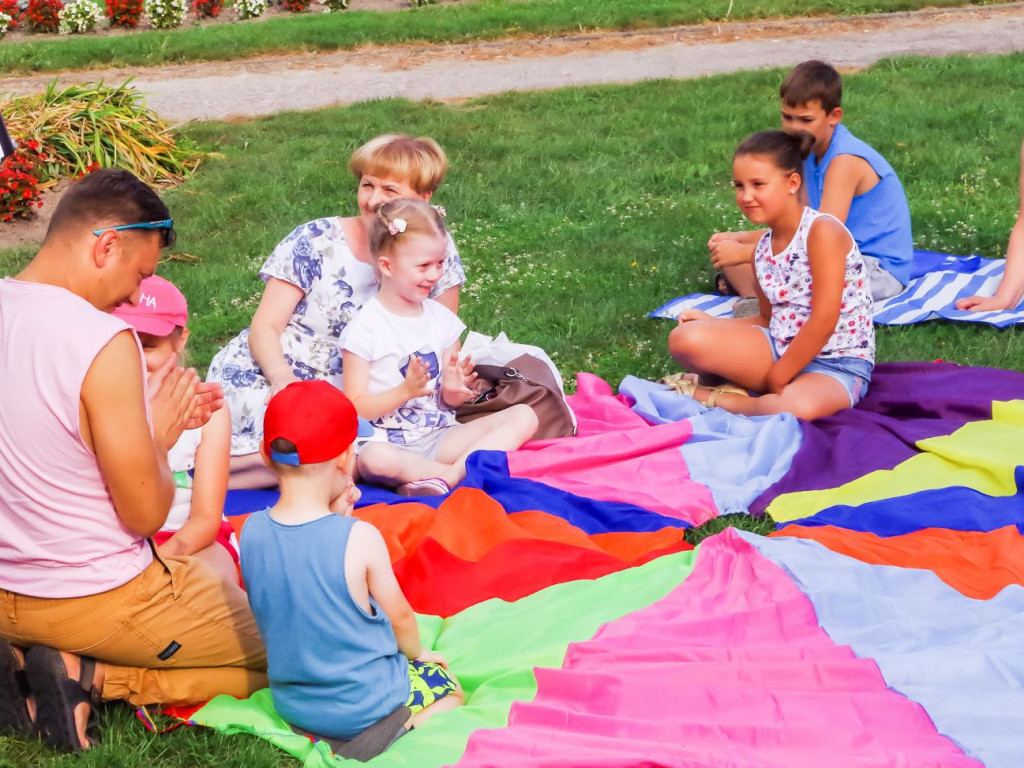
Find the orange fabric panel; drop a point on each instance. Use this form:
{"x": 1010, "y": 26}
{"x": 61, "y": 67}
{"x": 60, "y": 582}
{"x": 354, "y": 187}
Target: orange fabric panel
{"x": 977, "y": 564}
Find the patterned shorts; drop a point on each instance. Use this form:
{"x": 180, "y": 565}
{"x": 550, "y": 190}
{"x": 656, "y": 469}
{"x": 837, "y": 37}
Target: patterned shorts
{"x": 428, "y": 682}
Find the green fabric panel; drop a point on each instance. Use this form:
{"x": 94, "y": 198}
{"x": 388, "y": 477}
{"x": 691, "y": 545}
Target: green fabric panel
{"x": 981, "y": 455}
{"x": 492, "y": 648}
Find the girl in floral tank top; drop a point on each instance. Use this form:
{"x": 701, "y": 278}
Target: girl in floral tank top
{"x": 810, "y": 351}
{"x": 785, "y": 280}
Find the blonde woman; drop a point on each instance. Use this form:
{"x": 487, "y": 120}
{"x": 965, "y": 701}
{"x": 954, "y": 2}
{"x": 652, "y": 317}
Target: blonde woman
{"x": 317, "y": 278}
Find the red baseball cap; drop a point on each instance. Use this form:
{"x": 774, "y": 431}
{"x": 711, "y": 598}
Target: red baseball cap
{"x": 317, "y": 418}
{"x": 161, "y": 308}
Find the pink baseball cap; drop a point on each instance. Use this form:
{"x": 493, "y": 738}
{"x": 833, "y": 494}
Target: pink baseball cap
{"x": 161, "y": 308}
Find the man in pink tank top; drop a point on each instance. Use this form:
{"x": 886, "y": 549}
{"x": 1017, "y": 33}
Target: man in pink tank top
{"x": 89, "y": 613}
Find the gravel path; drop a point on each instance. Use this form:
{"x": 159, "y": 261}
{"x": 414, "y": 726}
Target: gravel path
{"x": 263, "y": 86}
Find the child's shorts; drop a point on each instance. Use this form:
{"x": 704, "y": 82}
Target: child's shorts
{"x": 428, "y": 682}
{"x": 428, "y": 445}
{"x": 854, "y": 373}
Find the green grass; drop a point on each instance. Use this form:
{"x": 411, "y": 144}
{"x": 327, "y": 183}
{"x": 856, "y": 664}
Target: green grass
{"x": 759, "y": 525}
{"x": 486, "y": 20}
{"x": 576, "y": 212}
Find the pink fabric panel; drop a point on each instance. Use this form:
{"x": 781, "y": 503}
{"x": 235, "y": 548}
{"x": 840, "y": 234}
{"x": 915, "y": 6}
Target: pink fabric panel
{"x": 617, "y": 456}
{"x": 598, "y": 410}
{"x": 732, "y": 669}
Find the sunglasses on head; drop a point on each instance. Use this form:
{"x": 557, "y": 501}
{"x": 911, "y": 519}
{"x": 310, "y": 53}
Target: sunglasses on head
{"x": 165, "y": 227}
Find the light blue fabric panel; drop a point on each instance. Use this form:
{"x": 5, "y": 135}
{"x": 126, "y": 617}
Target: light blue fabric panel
{"x": 962, "y": 659}
{"x": 736, "y": 457}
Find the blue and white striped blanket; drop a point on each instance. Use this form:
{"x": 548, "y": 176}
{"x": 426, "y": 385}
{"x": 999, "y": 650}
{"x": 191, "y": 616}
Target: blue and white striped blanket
{"x": 937, "y": 280}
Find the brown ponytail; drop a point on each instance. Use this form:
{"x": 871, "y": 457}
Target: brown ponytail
{"x": 786, "y": 150}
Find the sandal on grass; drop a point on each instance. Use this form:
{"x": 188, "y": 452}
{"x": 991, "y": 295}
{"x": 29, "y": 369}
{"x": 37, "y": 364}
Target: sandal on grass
{"x": 14, "y": 693}
{"x": 57, "y": 695}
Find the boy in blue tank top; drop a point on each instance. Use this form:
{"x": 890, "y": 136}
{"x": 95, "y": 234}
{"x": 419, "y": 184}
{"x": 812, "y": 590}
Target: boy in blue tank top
{"x": 844, "y": 177}
{"x": 343, "y": 648}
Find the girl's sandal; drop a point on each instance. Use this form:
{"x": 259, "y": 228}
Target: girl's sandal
{"x": 725, "y": 389}
{"x": 683, "y": 383}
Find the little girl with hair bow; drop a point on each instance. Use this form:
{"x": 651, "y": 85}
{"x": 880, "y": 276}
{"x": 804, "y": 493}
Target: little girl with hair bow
{"x": 402, "y": 370}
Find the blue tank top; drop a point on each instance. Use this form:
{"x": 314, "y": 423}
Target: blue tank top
{"x": 879, "y": 220}
{"x": 333, "y": 668}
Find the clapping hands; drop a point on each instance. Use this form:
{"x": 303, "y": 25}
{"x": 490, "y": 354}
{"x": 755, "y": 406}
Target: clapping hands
{"x": 178, "y": 400}
{"x": 417, "y": 378}
{"x": 457, "y": 380}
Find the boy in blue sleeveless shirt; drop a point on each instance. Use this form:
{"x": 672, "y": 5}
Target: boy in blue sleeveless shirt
{"x": 343, "y": 648}
{"x": 843, "y": 177}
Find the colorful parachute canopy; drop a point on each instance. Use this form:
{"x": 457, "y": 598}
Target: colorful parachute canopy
{"x": 880, "y": 625}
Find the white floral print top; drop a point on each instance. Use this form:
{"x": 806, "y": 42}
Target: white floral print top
{"x": 785, "y": 279}
{"x": 316, "y": 258}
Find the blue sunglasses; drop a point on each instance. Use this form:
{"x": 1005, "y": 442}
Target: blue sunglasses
{"x": 166, "y": 227}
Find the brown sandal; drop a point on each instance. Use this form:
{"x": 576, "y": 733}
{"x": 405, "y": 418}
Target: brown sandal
{"x": 57, "y": 695}
{"x": 14, "y": 694}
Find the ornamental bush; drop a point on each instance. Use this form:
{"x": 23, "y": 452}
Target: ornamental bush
{"x": 164, "y": 14}
{"x": 207, "y": 8}
{"x": 250, "y": 9}
{"x": 43, "y": 15}
{"x": 124, "y": 13}
{"x": 336, "y": 5}
{"x": 11, "y": 9}
{"x": 296, "y": 6}
{"x": 79, "y": 16}
{"x": 19, "y": 181}
{"x": 5, "y": 23}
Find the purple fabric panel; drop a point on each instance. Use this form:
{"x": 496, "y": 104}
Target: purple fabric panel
{"x": 907, "y": 402}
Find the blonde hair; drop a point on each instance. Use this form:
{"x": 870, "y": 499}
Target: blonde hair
{"x": 420, "y": 161}
{"x": 401, "y": 218}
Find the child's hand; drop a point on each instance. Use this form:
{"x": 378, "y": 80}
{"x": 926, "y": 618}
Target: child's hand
{"x": 774, "y": 382}
{"x": 726, "y": 252}
{"x": 690, "y": 315}
{"x": 278, "y": 384}
{"x": 457, "y": 381}
{"x": 344, "y": 502}
{"x": 432, "y": 657}
{"x": 417, "y": 378}
{"x": 173, "y": 547}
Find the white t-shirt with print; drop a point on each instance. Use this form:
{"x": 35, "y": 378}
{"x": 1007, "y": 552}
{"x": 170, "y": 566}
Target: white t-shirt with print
{"x": 387, "y": 341}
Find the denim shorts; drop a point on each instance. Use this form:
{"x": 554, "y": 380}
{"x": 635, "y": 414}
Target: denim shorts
{"x": 854, "y": 373}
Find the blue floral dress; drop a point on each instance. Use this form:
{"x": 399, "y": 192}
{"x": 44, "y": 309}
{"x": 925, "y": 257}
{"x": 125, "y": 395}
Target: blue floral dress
{"x": 316, "y": 258}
